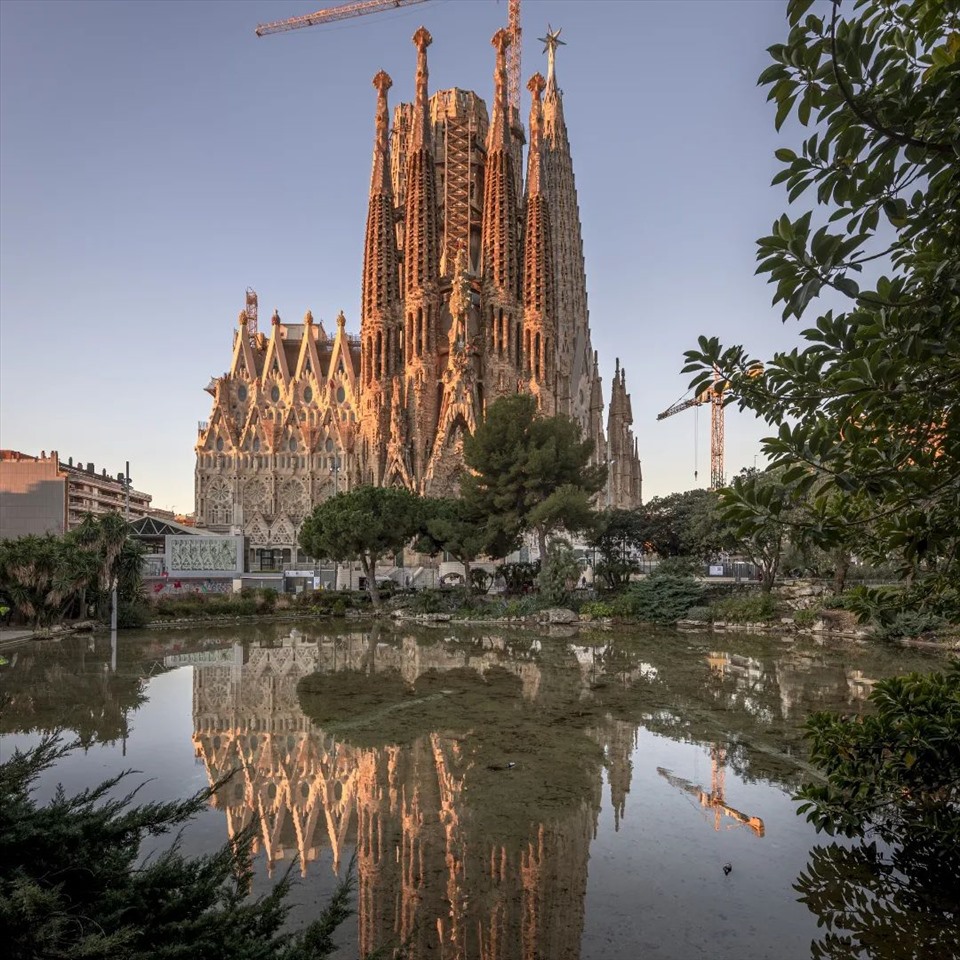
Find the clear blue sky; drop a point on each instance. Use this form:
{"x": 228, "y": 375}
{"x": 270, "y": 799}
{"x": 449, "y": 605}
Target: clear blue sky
{"x": 158, "y": 158}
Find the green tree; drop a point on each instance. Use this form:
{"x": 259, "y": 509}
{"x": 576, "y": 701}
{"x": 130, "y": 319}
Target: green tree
{"x": 72, "y": 884}
{"x": 869, "y": 403}
{"x": 760, "y": 508}
{"x": 683, "y": 525}
{"x": 451, "y": 525}
{"x": 617, "y": 535}
{"x": 528, "y": 472}
{"x": 363, "y": 525}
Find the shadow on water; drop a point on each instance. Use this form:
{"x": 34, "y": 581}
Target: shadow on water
{"x": 469, "y": 772}
{"x": 894, "y": 901}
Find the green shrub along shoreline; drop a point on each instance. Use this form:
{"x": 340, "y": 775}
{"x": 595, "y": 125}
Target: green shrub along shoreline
{"x": 663, "y": 599}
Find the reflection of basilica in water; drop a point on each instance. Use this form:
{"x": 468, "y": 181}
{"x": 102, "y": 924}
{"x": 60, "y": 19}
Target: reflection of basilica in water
{"x": 472, "y": 776}
{"x": 430, "y": 868}
{"x": 448, "y": 859}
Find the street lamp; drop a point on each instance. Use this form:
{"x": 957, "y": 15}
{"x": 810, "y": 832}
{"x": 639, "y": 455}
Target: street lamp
{"x": 114, "y": 599}
{"x": 335, "y": 471}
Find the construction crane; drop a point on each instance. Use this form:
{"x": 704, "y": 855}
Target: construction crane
{"x": 714, "y": 396}
{"x": 715, "y": 800}
{"x": 359, "y": 8}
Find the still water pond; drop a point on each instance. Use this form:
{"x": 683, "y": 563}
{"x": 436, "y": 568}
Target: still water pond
{"x": 506, "y": 795}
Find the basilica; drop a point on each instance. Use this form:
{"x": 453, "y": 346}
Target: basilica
{"x": 473, "y": 288}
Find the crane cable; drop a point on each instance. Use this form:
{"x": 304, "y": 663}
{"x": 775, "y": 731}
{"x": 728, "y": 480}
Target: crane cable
{"x": 696, "y": 440}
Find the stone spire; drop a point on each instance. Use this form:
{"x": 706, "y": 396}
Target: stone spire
{"x": 539, "y": 318}
{"x": 421, "y": 271}
{"x": 622, "y": 454}
{"x": 421, "y": 247}
{"x": 381, "y": 287}
{"x": 501, "y": 254}
{"x": 380, "y": 295}
{"x": 500, "y": 126}
{"x": 575, "y": 352}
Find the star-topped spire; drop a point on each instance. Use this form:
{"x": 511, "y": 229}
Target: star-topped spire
{"x": 550, "y": 43}
{"x": 421, "y": 109}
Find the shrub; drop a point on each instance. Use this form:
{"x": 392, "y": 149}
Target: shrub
{"x": 132, "y": 616}
{"x": 700, "y": 614}
{"x": 750, "y": 608}
{"x": 559, "y": 575}
{"x": 597, "y": 608}
{"x": 74, "y": 884}
{"x": 678, "y": 567}
{"x": 339, "y": 608}
{"x": 519, "y": 577}
{"x": 808, "y": 617}
{"x": 480, "y": 580}
{"x": 910, "y": 623}
{"x": 427, "y": 601}
{"x": 659, "y": 599}
{"x": 267, "y": 597}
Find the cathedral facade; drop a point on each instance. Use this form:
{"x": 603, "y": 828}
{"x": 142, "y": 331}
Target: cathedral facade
{"x": 473, "y": 288}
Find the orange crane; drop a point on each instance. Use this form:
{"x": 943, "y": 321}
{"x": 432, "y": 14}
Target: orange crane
{"x": 359, "y": 8}
{"x": 714, "y": 396}
{"x": 715, "y": 799}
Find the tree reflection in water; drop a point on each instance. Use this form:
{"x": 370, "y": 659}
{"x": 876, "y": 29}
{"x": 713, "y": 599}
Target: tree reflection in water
{"x": 884, "y": 903}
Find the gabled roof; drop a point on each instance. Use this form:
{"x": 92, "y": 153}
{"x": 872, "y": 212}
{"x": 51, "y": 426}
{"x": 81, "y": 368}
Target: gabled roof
{"x": 155, "y": 527}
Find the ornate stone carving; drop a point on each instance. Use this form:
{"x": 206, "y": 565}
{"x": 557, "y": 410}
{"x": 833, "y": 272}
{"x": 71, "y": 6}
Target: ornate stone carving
{"x": 203, "y": 553}
{"x": 256, "y": 496}
{"x": 293, "y": 499}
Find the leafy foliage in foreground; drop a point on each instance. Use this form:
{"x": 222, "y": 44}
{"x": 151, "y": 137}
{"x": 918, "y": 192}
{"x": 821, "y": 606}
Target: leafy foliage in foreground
{"x": 898, "y": 766}
{"x": 71, "y": 886}
{"x": 893, "y": 777}
{"x": 867, "y": 411}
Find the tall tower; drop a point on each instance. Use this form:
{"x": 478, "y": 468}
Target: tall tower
{"x": 575, "y": 353}
{"x": 500, "y": 267}
{"x": 421, "y": 270}
{"x": 539, "y": 317}
{"x": 624, "y": 483}
{"x": 380, "y": 332}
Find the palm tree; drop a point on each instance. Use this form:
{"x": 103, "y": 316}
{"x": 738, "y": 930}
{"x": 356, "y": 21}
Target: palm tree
{"x": 104, "y": 537}
{"x": 43, "y": 576}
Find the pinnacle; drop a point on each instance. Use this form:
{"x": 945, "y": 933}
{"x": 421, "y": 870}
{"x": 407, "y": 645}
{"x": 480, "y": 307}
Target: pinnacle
{"x": 422, "y": 39}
